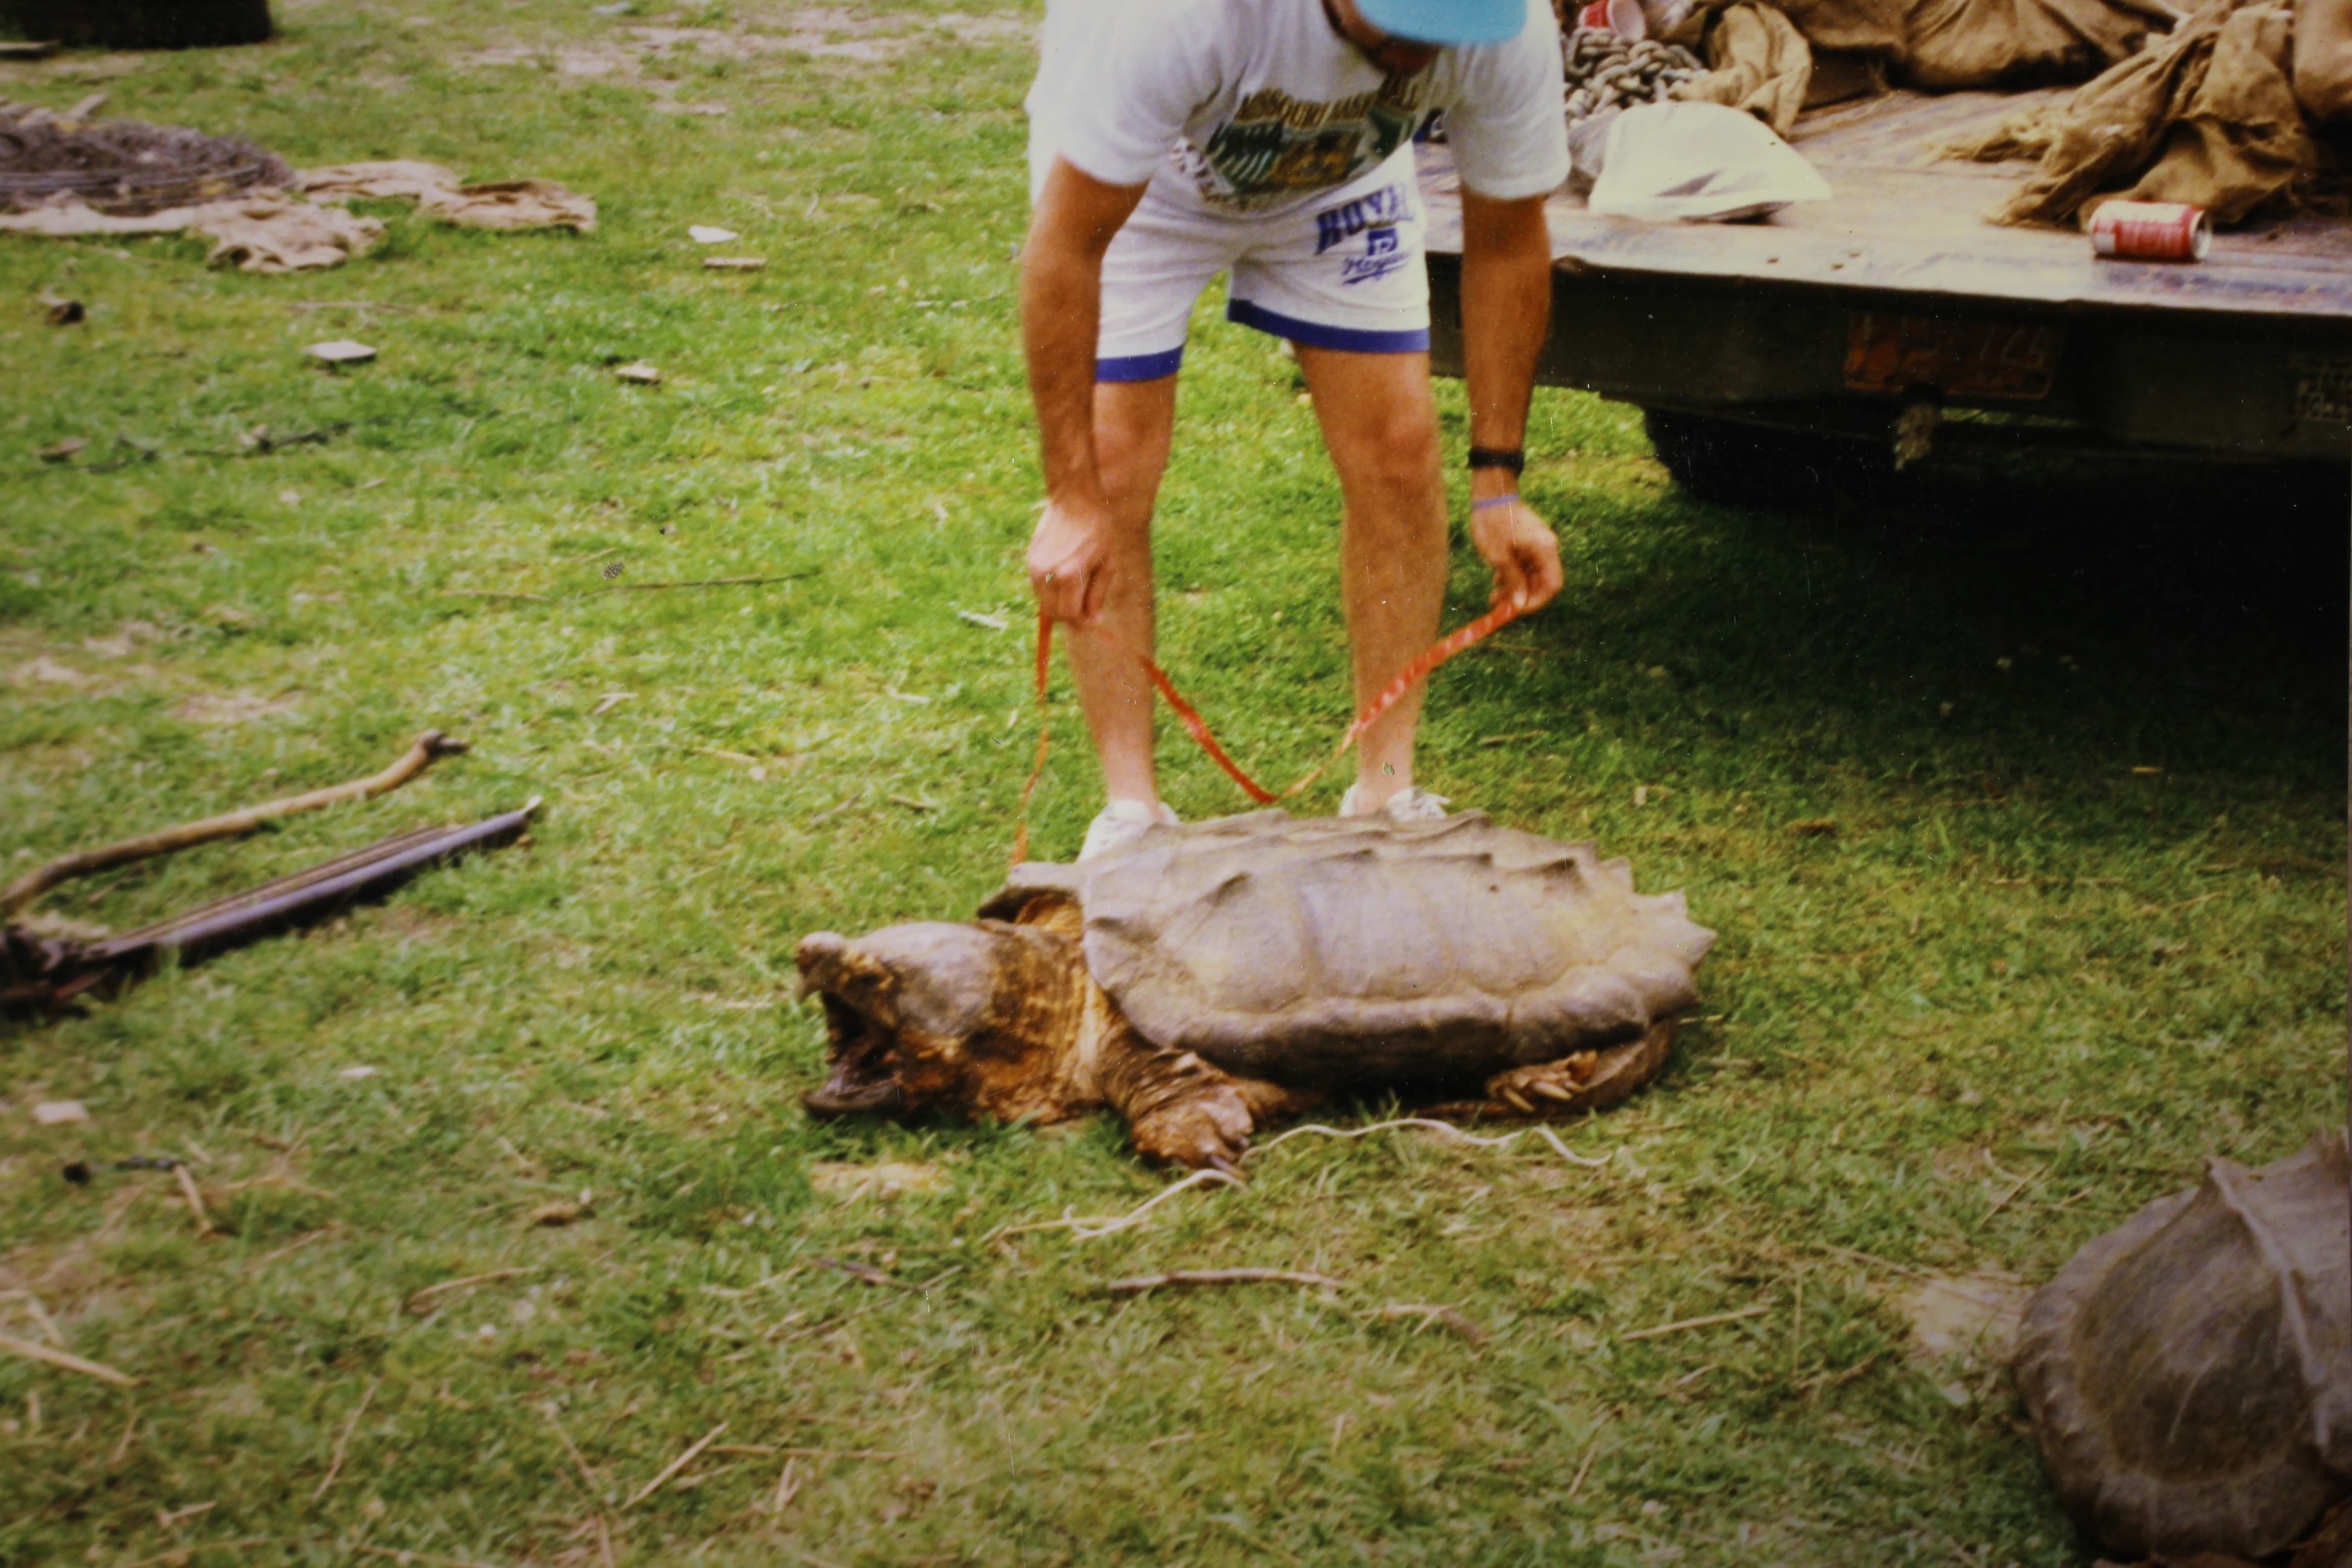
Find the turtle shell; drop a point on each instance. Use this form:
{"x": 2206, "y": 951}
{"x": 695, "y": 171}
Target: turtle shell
{"x": 2189, "y": 1372}
{"x": 1335, "y": 952}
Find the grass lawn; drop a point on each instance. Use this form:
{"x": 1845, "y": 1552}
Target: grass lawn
{"x": 2022, "y": 830}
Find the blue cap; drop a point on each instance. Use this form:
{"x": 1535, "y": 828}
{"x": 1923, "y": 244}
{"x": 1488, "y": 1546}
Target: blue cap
{"x": 1448, "y": 21}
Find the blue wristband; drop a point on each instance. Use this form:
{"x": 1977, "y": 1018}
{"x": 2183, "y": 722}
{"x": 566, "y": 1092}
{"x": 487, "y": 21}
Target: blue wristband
{"x": 1495, "y": 500}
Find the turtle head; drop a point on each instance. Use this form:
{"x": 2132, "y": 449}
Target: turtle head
{"x": 931, "y": 1016}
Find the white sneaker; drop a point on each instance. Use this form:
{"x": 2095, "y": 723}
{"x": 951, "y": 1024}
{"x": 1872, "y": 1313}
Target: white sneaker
{"x": 1414, "y": 805}
{"x": 1120, "y": 824}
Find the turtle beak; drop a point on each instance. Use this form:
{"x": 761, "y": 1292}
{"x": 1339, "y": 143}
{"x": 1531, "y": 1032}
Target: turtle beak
{"x": 841, "y": 1096}
{"x": 860, "y": 1024}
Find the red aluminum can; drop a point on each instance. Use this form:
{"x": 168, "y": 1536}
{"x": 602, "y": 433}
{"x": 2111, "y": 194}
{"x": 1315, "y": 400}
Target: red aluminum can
{"x": 2151, "y": 231}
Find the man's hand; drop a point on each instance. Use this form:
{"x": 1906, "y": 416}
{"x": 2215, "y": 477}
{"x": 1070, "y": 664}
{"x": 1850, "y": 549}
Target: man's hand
{"x": 1522, "y": 552}
{"x": 1069, "y": 565}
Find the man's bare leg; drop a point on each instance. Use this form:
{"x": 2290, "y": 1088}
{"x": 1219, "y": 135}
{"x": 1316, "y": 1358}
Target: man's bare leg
{"x": 1380, "y": 424}
{"x": 1133, "y": 421}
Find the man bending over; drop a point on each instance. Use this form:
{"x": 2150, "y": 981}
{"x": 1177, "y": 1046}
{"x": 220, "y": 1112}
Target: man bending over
{"x": 1171, "y": 139}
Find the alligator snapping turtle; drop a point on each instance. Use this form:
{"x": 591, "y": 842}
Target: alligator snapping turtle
{"x": 2189, "y": 1372}
{"x": 1214, "y": 975}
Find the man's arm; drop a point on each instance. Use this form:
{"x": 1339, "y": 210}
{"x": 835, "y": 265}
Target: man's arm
{"x": 1061, "y": 304}
{"x": 1506, "y": 309}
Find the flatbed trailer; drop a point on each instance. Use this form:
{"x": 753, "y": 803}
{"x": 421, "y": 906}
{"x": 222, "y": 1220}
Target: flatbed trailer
{"x": 1893, "y": 316}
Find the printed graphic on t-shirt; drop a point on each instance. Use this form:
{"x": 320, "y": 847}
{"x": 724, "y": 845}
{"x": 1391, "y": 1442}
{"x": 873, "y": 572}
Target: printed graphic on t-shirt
{"x": 1276, "y": 147}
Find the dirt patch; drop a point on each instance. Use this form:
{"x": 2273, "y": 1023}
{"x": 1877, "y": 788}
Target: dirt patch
{"x": 51, "y": 758}
{"x": 232, "y": 707}
{"x": 820, "y": 32}
{"x": 1973, "y": 1316}
{"x": 126, "y": 640}
{"x": 45, "y": 671}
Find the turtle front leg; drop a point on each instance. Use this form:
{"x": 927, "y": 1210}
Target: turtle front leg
{"x": 1181, "y": 1111}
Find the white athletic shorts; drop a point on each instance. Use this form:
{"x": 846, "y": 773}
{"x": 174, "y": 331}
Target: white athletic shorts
{"x": 1341, "y": 272}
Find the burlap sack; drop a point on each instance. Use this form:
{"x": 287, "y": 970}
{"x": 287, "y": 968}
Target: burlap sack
{"x": 268, "y": 232}
{"x": 496, "y": 203}
{"x": 2206, "y": 116}
{"x": 1934, "y": 44}
{"x": 1757, "y": 60}
{"x": 1946, "y": 44}
{"x": 2323, "y": 58}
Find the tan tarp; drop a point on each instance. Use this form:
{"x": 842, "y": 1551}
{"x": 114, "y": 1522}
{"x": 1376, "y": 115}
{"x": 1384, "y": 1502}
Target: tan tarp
{"x": 70, "y": 220}
{"x": 512, "y": 204}
{"x": 496, "y": 203}
{"x": 261, "y": 232}
{"x": 1947, "y": 44}
{"x": 1757, "y": 61}
{"x": 1934, "y": 44}
{"x": 399, "y": 178}
{"x": 2206, "y": 116}
{"x": 268, "y": 232}
{"x": 2323, "y": 58}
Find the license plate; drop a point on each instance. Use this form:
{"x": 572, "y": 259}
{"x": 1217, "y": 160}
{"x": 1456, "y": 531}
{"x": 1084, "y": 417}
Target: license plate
{"x": 2323, "y": 388}
{"x": 1891, "y": 354}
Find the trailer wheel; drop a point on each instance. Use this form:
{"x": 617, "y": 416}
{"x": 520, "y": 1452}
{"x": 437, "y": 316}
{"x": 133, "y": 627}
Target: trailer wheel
{"x": 1735, "y": 463}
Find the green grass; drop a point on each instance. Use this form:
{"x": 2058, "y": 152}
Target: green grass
{"x": 2017, "y": 957}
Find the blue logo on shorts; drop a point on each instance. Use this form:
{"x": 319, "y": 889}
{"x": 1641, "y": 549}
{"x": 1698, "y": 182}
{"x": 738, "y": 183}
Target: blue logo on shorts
{"x": 1382, "y": 255}
{"x": 1380, "y": 210}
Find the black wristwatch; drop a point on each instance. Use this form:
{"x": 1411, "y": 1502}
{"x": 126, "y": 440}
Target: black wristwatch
{"x": 1513, "y": 459}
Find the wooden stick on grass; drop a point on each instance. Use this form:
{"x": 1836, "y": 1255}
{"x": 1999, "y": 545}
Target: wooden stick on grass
{"x": 405, "y": 1557}
{"x": 11, "y": 1345}
{"x": 788, "y": 1486}
{"x": 122, "y": 1443}
{"x": 1221, "y": 1277}
{"x": 335, "y": 1464}
{"x": 41, "y": 878}
{"x": 416, "y": 1300}
{"x": 1707, "y": 1321}
{"x": 190, "y": 1554}
{"x": 41, "y": 1316}
{"x": 673, "y": 1467}
{"x": 587, "y": 1476}
{"x": 1592, "y": 1451}
{"x": 195, "y": 1199}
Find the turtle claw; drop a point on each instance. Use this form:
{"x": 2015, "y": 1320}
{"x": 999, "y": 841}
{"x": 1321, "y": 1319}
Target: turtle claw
{"x": 1543, "y": 1089}
{"x": 1205, "y": 1129}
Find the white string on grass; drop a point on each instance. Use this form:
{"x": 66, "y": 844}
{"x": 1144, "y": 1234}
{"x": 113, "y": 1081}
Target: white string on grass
{"x": 1092, "y": 1228}
{"x": 1087, "y": 1229}
{"x": 1447, "y": 1128}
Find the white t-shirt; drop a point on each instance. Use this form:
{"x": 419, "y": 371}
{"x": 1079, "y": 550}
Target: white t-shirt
{"x": 1266, "y": 106}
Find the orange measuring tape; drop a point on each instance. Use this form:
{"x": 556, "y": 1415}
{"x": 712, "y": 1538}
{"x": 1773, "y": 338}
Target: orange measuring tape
{"x": 1437, "y": 653}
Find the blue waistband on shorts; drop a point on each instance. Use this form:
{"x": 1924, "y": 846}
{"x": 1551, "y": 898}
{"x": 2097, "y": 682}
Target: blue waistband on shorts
{"x": 1139, "y": 367}
{"x": 1315, "y": 335}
